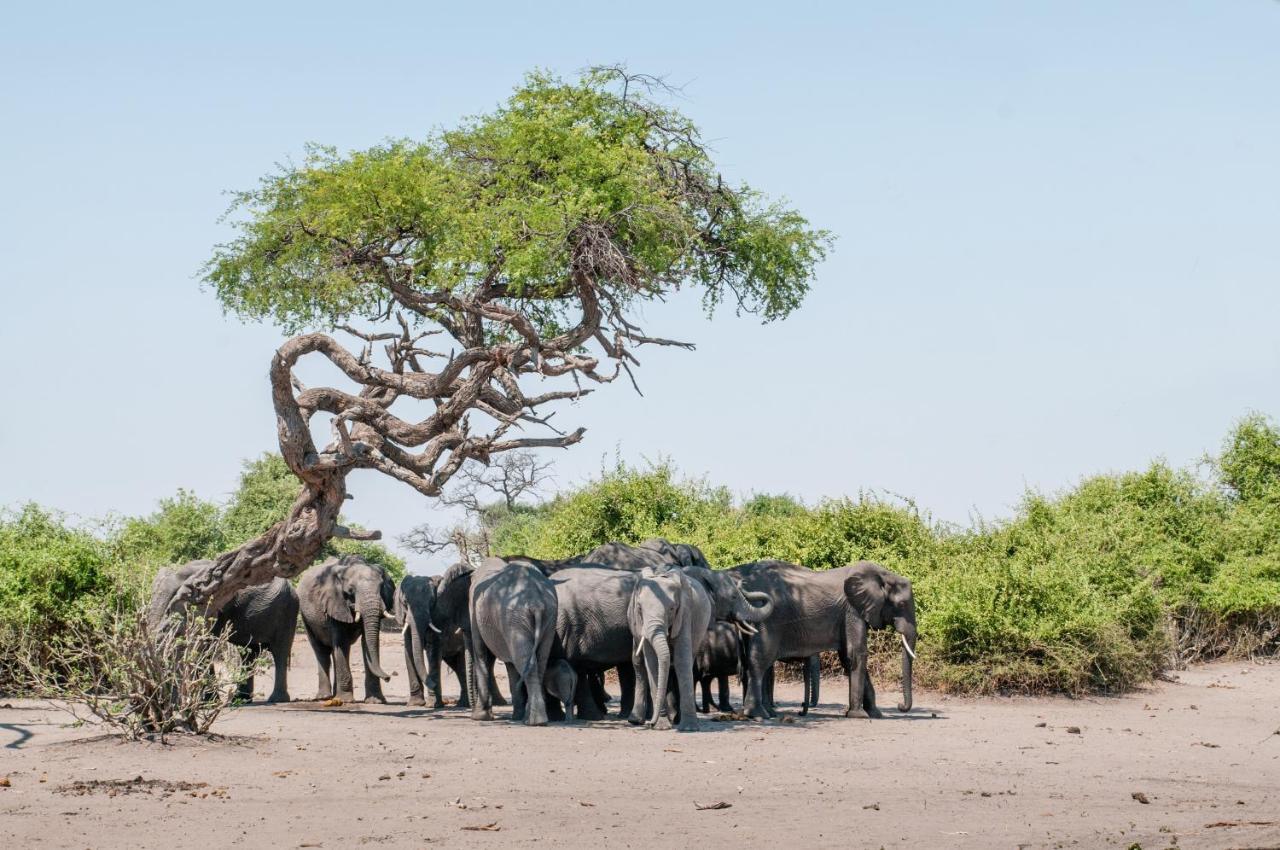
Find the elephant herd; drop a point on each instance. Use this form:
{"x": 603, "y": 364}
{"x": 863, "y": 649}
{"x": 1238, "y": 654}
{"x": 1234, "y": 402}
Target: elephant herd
{"x": 654, "y": 613}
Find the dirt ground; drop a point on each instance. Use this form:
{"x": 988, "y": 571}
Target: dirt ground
{"x": 1195, "y": 763}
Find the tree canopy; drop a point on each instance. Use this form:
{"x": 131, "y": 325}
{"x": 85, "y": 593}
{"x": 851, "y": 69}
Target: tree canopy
{"x": 483, "y": 263}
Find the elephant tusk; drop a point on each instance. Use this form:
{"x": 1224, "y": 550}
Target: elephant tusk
{"x": 748, "y": 628}
{"x": 405, "y": 630}
{"x": 640, "y": 646}
{"x": 903, "y": 638}
{"x": 433, "y": 628}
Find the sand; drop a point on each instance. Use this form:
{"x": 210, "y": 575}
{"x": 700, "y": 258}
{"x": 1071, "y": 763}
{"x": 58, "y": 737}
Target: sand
{"x": 1191, "y": 763}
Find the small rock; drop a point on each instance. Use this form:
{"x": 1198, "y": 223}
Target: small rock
{"x": 874, "y": 807}
{"x": 1140, "y": 797}
{"x": 5, "y": 783}
{"x": 1073, "y": 730}
{"x": 1041, "y": 725}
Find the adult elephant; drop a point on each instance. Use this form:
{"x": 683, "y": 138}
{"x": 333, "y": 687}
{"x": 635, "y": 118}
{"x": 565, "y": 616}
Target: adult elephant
{"x": 450, "y": 633}
{"x": 264, "y": 616}
{"x": 414, "y": 599}
{"x": 817, "y": 611}
{"x": 513, "y": 618}
{"x": 669, "y": 614}
{"x": 593, "y": 632}
{"x": 344, "y": 599}
{"x": 654, "y": 552}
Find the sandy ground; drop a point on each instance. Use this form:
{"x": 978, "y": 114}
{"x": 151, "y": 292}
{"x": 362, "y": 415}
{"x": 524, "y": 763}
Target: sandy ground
{"x": 1203, "y": 752}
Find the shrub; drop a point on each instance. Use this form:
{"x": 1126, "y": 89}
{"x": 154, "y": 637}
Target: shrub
{"x": 136, "y": 681}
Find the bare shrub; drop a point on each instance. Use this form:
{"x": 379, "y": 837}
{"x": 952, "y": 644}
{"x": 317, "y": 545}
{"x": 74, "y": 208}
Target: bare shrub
{"x": 138, "y": 680}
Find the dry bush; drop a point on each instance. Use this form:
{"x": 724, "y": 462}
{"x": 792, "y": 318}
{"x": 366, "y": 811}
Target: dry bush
{"x": 137, "y": 680}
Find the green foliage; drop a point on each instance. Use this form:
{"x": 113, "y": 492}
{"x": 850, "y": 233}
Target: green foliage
{"x": 1250, "y": 461}
{"x": 515, "y": 194}
{"x": 1097, "y": 588}
{"x": 52, "y": 578}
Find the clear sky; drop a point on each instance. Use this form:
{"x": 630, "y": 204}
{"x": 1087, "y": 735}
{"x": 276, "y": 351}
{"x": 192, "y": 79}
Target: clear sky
{"x": 1058, "y": 249}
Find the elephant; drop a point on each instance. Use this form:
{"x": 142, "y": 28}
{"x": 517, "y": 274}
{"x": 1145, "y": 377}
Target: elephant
{"x": 415, "y": 596}
{"x": 451, "y": 616}
{"x": 669, "y": 613}
{"x": 654, "y": 552}
{"x": 816, "y": 611}
{"x": 342, "y": 599}
{"x": 264, "y": 616}
{"x": 513, "y": 618}
{"x": 717, "y": 660}
{"x": 593, "y": 632}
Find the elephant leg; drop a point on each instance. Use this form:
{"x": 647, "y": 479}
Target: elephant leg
{"x": 626, "y": 689}
{"x": 598, "y": 693}
{"x": 760, "y": 658}
{"x": 686, "y": 691}
{"x": 411, "y": 664}
{"x": 244, "y": 690}
{"x": 280, "y": 652}
{"x": 722, "y": 685}
{"x": 519, "y": 694}
{"x": 856, "y": 649}
{"x": 584, "y": 701}
{"x": 324, "y": 660}
{"x": 494, "y": 693}
{"x": 481, "y": 660}
{"x": 705, "y": 684}
{"x": 534, "y": 694}
{"x": 458, "y": 664}
{"x": 869, "y": 694}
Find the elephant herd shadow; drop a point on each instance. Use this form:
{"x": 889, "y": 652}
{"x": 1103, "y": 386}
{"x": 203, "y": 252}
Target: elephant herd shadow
{"x": 714, "y": 722}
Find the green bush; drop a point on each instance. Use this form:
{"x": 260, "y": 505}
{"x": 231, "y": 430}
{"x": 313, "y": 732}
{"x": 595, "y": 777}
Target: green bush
{"x": 52, "y": 578}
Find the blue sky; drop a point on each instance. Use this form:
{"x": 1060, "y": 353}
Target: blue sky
{"x": 1057, "y": 249}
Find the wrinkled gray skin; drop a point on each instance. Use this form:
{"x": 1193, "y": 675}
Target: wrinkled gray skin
{"x": 344, "y": 599}
{"x": 817, "y": 611}
{"x": 669, "y": 614}
{"x": 513, "y": 616}
{"x": 451, "y": 614}
{"x": 261, "y": 617}
{"x": 654, "y": 552}
{"x": 593, "y": 632}
{"x": 414, "y": 599}
{"x": 717, "y": 660}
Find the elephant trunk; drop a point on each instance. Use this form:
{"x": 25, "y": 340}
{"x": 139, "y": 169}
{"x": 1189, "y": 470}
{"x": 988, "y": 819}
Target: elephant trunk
{"x": 657, "y": 639}
{"x": 907, "y": 632}
{"x": 752, "y": 607}
{"x": 422, "y": 674}
{"x": 371, "y": 618}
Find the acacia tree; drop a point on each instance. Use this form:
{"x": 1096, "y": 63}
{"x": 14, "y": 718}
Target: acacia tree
{"x": 495, "y": 266}
{"x": 487, "y": 495}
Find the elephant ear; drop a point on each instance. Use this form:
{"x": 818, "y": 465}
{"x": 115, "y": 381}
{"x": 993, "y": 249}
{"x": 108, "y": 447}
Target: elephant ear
{"x": 867, "y": 593}
{"x": 454, "y": 573}
{"x": 330, "y": 590}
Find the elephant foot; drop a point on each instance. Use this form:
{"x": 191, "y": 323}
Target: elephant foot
{"x": 376, "y": 699}
{"x": 322, "y": 697}
{"x": 345, "y": 696}
{"x": 536, "y": 719}
{"x": 857, "y": 713}
{"x": 439, "y": 704}
{"x": 416, "y": 699}
{"x": 662, "y": 724}
{"x": 590, "y": 712}
{"x": 690, "y": 725}
{"x": 499, "y": 699}
{"x": 278, "y": 696}
{"x": 727, "y": 707}
{"x": 875, "y": 713}
{"x": 481, "y": 714}
{"x": 635, "y": 720}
